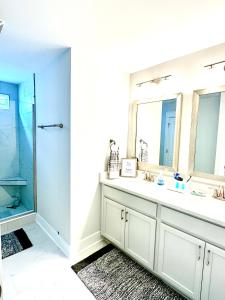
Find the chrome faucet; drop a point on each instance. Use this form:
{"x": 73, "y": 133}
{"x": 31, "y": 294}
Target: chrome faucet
{"x": 219, "y": 193}
{"x": 149, "y": 177}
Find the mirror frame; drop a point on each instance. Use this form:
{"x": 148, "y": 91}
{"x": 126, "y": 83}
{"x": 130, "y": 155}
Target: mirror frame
{"x": 193, "y": 133}
{"x": 131, "y": 149}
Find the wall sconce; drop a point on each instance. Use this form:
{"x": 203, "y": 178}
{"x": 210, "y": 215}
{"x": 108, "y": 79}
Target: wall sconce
{"x": 155, "y": 80}
{"x": 211, "y": 66}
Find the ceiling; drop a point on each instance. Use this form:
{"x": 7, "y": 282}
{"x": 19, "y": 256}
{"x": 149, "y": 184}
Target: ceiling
{"x": 137, "y": 33}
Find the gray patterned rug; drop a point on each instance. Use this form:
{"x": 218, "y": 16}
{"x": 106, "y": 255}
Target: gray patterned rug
{"x": 14, "y": 242}
{"x": 114, "y": 276}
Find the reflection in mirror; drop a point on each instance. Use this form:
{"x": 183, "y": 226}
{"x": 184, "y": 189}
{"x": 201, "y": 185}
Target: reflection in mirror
{"x": 210, "y": 134}
{"x": 155, "y": 132}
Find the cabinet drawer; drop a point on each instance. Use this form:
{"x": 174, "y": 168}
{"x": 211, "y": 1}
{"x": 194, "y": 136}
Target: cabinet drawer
{"x": 205, "y": 230}
{"x": 139, "y": 204}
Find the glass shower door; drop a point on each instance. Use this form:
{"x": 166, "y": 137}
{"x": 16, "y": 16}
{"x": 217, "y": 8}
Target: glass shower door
{"x": 17, "y": 148}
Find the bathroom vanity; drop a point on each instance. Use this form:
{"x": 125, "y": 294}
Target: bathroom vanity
{"x": 178, "y": 237}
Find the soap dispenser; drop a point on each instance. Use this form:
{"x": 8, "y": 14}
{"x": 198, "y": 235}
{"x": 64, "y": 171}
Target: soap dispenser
{"x": 160, "y": 179}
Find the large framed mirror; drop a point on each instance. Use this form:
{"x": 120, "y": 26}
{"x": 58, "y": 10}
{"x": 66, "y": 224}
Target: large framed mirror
{"x": 207, "y": 140}
{"x": 155, "y": 132}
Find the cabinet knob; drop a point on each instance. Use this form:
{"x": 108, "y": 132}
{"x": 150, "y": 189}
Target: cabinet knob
{"x": 121, "y": 216}
{"x": 199, "y": 252}
{"x": 126, "y": 219}
{"x": 208, "y": 257}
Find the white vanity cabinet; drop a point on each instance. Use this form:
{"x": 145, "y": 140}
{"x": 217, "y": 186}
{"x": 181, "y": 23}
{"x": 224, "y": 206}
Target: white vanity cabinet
{"x": 140, "y": 237}
{"x": 213, "y": 285}
{"x": 113, "y": 219}
{"x": 130, "y": 230}
{"x": 186, "y": 251}
{"x": 190, "y": 265}
{"x": 180, "y": 260}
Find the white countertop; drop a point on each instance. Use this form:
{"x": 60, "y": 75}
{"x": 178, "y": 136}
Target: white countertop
{"x": 206, "y": 208}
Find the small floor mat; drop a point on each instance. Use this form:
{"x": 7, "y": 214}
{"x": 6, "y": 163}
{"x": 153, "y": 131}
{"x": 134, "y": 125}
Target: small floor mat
{"x": 14, "y": 242}
{"x": 114, "y": 276}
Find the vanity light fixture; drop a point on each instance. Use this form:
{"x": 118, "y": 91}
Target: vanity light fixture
{"x": 155, "y": 80}
{"x": 210, "y": 66}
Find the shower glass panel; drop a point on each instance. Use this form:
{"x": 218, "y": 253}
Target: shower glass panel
{"x": 17, "y": 120}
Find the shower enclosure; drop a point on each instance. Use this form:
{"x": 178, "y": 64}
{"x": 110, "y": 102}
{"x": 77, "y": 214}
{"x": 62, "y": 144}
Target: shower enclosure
{"x": 17, "y": 148}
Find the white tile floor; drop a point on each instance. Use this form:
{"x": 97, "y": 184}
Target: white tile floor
{"x": 41, "y": 272}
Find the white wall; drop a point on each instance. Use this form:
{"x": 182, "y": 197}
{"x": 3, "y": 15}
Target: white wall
{"x": 99, "y": 111}
{"x": 53, "y": 144}
{"x": 188, "y": 74}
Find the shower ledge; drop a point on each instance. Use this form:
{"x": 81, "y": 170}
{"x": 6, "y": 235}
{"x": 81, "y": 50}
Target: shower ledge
{"x": 13, "y": 181}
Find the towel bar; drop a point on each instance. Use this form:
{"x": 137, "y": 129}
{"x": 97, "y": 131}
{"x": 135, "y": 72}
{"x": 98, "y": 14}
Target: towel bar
{"x": 52, "y": 125}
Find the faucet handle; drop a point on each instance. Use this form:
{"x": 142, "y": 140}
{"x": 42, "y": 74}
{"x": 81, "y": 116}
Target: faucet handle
{"x": 215, "y": 193}
{"x": 223, "y": 192}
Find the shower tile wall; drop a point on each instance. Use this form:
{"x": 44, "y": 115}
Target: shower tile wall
{"x": 9, "y": 154}
{"x": 26, "y": 102}
{"x": 16, "y": 147}
{"x": 9, "y": 145}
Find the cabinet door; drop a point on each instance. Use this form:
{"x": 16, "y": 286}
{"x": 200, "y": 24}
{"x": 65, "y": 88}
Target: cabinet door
{"x": 180, "y": 260}
{"x": 140, "y": 237}
{"x": 113, "y": 228}
{"x": 213, "y": 285}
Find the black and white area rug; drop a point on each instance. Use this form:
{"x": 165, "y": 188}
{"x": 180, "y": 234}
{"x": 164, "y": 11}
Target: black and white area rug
{"x": 114, "y": 276}
{"x": 14, "y": 242}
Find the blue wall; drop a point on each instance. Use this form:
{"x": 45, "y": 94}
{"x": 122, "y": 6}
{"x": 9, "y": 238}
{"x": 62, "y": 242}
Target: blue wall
{"x": 53, "y": 144}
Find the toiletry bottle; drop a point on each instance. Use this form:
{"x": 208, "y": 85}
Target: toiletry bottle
{"x": 176, "y": 182}
{"x": 160, "y": 179}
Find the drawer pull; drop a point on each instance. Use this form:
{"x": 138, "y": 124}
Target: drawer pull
{"x": 199, "y": 252}
{"x": 208, "y": 257}
{"x": 121, "y": 216}
{"x": 126, "y": 219}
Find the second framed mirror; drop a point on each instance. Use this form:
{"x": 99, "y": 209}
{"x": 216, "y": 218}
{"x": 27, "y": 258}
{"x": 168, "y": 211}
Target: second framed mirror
{"x": 207, "y": 141}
